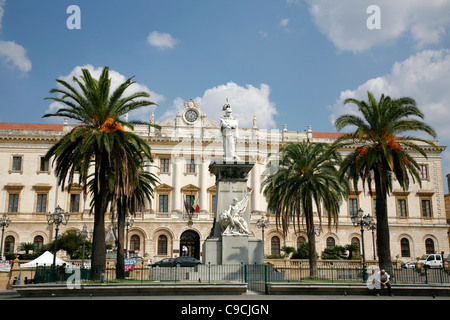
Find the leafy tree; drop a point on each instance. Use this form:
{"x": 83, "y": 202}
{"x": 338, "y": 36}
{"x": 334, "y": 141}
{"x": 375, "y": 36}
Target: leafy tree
{"x": 351, "y": 248}
{"x": 70, "y": 241}
{"x": 26, "y": 246}
{"x": 92, "y": 144}
{"x": 307, "y": 176}
{"x": 302, "y": 251}
{"x": 382, "y": 153}
{"x": 334, "y": 253}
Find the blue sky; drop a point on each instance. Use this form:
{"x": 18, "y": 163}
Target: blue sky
{"x": 284, "y": 61}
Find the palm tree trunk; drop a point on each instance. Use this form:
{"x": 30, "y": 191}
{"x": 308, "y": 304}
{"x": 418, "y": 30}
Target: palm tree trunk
{"x": 383, "y": 241}
{"x": 312, "y": 255}
{"x": 311, "y": 238}
{"x": 120, "y": 263}
{"x": 98, "y": 260}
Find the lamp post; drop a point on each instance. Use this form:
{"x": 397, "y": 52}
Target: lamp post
{"x": 262, "y": 224}
{"x": 373, "y": 227}
{"x": 359, "y": 219}
{"x": 4, "y": 222}
{"x": 128, "y": 224}
{"x": 57, "y": 218}
{"x": 85, "y": 234}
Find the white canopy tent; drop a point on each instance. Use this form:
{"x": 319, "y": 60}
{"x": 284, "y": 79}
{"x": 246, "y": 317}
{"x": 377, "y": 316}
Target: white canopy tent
{"x": 46, "y": 259}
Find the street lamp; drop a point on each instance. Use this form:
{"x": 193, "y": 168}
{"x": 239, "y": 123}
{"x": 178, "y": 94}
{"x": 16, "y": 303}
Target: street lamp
{"x": 85, "y": 234}
{"x": 262, "y": 223}
{"x": 129, "y": 223}
{"x": 359, "y": 219}
{"x": 373, "y": 227}
{"x": 57, "y": 218}
{"x": 4, "y": 222}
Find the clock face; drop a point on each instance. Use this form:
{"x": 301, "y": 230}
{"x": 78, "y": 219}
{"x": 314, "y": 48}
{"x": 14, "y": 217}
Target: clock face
{"x": 191, "y": 115}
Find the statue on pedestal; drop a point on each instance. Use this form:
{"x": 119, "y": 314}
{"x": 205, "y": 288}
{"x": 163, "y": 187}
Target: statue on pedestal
{"x": 229, "y": 128}
{"x": 232, "y": 221}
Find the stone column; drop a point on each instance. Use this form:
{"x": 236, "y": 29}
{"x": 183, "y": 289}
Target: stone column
{"x": 176, "y": 180}
{"x": 204, "y": 173}
{"x": 256, "y": 186}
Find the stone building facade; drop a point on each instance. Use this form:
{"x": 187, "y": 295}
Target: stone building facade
{"x": 183, "y": 149}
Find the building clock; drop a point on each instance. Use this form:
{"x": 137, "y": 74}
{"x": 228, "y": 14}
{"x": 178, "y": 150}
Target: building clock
{"x": 191, "y": 115}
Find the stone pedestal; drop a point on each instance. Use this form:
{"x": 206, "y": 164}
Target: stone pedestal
{"x": 231, "y": 183}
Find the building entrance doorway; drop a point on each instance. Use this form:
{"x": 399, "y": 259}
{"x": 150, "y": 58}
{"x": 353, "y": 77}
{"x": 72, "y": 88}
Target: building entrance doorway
{"x": 190, "y": 244}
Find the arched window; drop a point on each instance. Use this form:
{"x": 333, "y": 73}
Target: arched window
{"x": 300, "y": 240}
{"x": 162, "y": 245}
{"x": 331, "y": 242}
{"x": 38, "y": 243}
{"x": 355, "y": 242}
{"x": 275, "y": 245}
{"x": 135, "y": 243}
{"x": 404, "y": 246}
{"x": 9, "y": 244}
{"x": 429, "y": 246}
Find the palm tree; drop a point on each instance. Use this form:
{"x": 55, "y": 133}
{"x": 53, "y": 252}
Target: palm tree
{"x": 127, "y": 203}
{"x": 381, "y": 153}
{"x": 91, "y": 144}
{"x": 307, "y": 176}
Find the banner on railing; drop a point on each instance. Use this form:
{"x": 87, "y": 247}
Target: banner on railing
{"x": 130, "y": 264}
{"x": 5, "y": 265}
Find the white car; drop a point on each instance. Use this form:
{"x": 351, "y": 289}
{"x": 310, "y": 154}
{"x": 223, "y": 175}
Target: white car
{"x": 432, "y": 260}
{"x": 410, "y": 265}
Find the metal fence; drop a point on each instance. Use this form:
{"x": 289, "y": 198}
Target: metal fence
{"x": 254, "y": 275}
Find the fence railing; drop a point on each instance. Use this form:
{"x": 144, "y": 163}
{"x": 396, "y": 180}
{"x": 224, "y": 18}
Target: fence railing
{"x": 245, "y": 274}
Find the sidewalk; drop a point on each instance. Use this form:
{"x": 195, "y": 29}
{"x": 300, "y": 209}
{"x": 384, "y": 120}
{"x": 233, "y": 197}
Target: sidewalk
{"x": 275, "y": 291}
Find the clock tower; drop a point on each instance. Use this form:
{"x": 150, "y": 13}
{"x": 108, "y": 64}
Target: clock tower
{"x": 191, "y": 112}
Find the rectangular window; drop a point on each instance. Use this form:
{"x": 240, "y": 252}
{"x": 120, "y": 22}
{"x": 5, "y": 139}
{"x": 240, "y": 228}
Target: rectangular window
{"x": 426, "y": 208}
{"x": 43, "y": 165}
{"x": 13, "y": 205}
{"x": 214, "y": 203}
{"x": 401, "y": 208}
{"x": 41, "y": 202}
{"x": 353, "y": 206}
{"x": 163, "y": 203}
{"x": 17, "y": 163}
{"x": 423, "y": 171}
{"x": 138, "y": 206}
{"x": 164, "y": 165}
{"x": 190, "y": 168}
{"x": 74, "y": 203}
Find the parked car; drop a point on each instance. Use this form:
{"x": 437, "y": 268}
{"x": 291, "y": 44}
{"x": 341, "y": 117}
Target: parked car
{"x": 432, "y": 260}
{"x": 410, "y": 265}
{"x": 166, "y": 262}
{"x": 186, "y": 262}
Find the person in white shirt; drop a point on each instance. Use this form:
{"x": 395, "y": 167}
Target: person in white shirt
{"x": 382, "y": 281}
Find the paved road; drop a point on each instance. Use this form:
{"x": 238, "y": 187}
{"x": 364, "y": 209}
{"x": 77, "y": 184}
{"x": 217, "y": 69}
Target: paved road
{"x": 250, "y": 296}
{"x": 236, "y": 306}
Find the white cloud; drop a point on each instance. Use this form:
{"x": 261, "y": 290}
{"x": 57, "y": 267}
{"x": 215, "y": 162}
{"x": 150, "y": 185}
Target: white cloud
{"x": 284, "y": 22}
{"x": 245, "y": 102}
{"x": 116, "y": 79}
{"x": 425, "y": 77}
{"x": 161, "y": 40}
{"x": 15, "y": 54}
{"x": 2, "y": 11}
{"x": 12, "y": 52}
{"x": 344, "y": 22}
